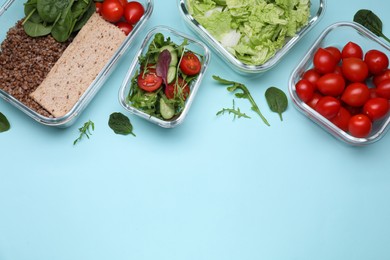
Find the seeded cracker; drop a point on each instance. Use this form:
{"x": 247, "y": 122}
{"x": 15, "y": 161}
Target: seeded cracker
{"x": 78, "y": 66}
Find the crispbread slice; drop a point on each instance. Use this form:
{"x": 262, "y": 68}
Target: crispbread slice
{"x": 78, "y": 66}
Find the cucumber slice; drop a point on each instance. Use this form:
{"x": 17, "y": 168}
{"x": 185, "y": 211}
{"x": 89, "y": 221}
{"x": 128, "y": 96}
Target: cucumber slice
{"x": 174, "y": 58}
{"x": 166, "y": 110}
{"x": 171, "y": 74}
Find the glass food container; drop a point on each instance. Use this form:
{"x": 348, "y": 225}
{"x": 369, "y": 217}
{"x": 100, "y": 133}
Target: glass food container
{"x": 338, "y": 35}
{"x": 317, "y": 10}
{"x": 178, "y": 38}
{"x": 12, "y": 11}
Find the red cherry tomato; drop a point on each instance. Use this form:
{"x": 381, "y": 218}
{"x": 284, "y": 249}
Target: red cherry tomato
{"x": 356, "y": 94}
{"x": 335, "y": 52}
{"x": 328, "y": 106}
{"x": 377, "y": 61}
{"x": 359, "y": 125}
{"x": 112, "y": 10}
{"x": 123, "y": 3}
{"x": 314, "y": 100}
{"x": 331, "y": 84}
{"x": 380, "y": 77}
{"x": 324, "y": 62}
{"x": 383, "y": 89}
{"x": 305, "y": 90}
{"x": 98, "y": 6}
{"x": 352, "y": 49}
{"x": 376, "y": 108}
{"x": 338, "y": 70}
{"x": 148, "y": 80}
{"x": 354, "y": 69}
{"x": 133, "y": 12}
{"x": 125, "y": 27}
{"x": 341, "y": 120}
{"x": 172, "y": 89}
{"x": 311, "y": 75}
{"x": 190, "y": 64}
{"x": 373, "y": 93}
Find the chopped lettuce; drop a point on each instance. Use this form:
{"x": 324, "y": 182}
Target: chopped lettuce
{"x": 252, "y": 30}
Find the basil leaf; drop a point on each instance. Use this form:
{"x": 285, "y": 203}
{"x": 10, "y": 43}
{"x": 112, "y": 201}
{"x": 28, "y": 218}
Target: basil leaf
{"x": 4, "y": 123}
{"x": 371, "y": 21}
{"x": 277, "y": 100}
{"x": 120, "y": 124}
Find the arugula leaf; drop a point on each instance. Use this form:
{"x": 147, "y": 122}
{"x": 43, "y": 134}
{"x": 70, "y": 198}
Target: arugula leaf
{"x": 277, "y": 100}
{"x": 244, "y": 94}
{"x": 236, "y": 112}
{"x": 120, "y": 124}
{"x": 4, "y": 123}
{"x": 85, "y": 130}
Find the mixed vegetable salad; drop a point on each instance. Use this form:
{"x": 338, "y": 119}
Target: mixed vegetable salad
{"x": 163, "y": 83}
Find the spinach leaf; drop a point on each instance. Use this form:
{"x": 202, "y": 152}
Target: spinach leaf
{"x": 49, "y": 10}
{"x": 277, "y": 100}
{"x": 371, "y": 21}
{"x": 85, "y": 16}
{"x": 64, "y": 26}
{"x": 120, "y": 124}
{"x": 36, "y": 29}
{"x": 4, "y": 123}
{"x": 80, "y": 7}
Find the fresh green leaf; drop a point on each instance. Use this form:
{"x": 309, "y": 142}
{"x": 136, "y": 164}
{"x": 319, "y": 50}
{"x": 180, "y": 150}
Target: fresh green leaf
{"x": 371, "y": 21}
{"x": 85, "y": 130}
{"x": 49, "y": 10}
{"x": 244, "y": 94}
{"x": 36, "y": 29}
{"x": 277, "y": 100}
{"x": 4, "y": 123}
{"x": 85, "y": 17}
{"x": 120, "y": 124}
{"x": 236, "y": 112}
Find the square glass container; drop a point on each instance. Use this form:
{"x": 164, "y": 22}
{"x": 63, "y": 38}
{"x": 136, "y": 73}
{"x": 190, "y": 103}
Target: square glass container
{"x": 178, "y": 38}
{"x": 317, "y": 9}
{"x": 12, "y": 11}
{"x": 338, "y": 35}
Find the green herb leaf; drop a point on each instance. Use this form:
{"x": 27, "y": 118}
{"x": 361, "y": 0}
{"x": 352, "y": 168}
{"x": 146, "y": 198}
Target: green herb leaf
{"x": 244, "y": 94}
{"x": 277, "y": 100}
{"x": 4, "y": 123}
{"x": 371, "y": 21}
{"x": 236, "y": 112}
{"x": 85, "y": 130}
{"x": 120, "y": 124}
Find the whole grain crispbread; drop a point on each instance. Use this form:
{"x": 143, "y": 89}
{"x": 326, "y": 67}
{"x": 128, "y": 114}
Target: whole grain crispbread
{"x": 78, "y": 66}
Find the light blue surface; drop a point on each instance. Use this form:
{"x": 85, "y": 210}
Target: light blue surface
{"x": 212, "y": 188}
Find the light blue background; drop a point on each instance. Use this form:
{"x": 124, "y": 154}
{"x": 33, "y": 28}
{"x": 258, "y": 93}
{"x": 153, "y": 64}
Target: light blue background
{"x": 212, "y": 188}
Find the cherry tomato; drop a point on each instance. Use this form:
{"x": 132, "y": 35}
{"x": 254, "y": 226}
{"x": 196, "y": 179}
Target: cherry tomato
{"x": 305, "y": 90}
{"x": 98, "y": 6}
{"x": 311, "y": 75}
{"x": 335, "y": 52}
{"x": 324, "y": 62}
{"x": 190, "y": 64}
{"x": 133, "y": 12}
{"x": 125, "y": 27}
{"x": 376, "y": 108}
{"x": 172, "y": 88}
{"x": 331, "y": 84}
{"x": 354, "y": 69}
{"x": 341, "y": 120}
{"x": 338, "y": 70}
{"x": 359, "y": 125}
{"x": 383, "y": 89}
{"x": 314, "y": 100}
{"x": 123, "y": 3}
{"x": 148, "y": 80}
{"x": 380, "y": 77}
{"x": 328, "y": 106}
{"x": 353, "y": 110}
{"x": 377, "y": 61}
{"x": 112, "y": 10}
{"x": 352, "y": 49}
{"x": 356, "y": 94}
{"x": 373, "y": 93}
